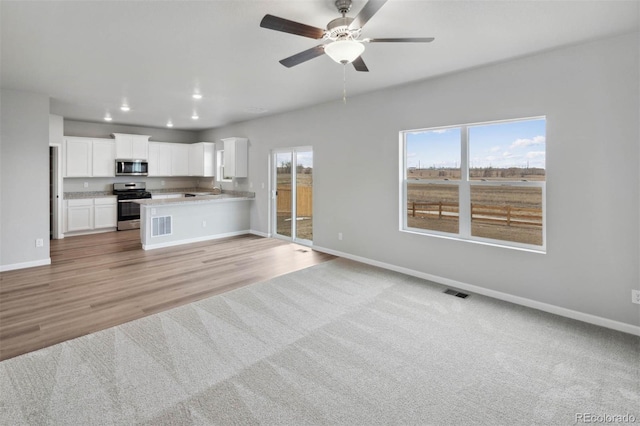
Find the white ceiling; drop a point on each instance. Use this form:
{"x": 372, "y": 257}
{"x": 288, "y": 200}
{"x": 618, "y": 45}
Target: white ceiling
{"x": 89, "y": 56}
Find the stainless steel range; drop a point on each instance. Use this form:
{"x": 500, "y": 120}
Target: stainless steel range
{"x": 128, "y": 211}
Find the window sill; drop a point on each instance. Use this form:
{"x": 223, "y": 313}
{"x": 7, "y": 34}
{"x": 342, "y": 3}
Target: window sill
{"x": 541, "y": 250}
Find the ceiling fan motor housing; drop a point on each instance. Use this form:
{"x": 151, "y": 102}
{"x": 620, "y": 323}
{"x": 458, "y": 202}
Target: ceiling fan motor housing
{"x": 339, "y": 29}
{"x": 343, "y": 6}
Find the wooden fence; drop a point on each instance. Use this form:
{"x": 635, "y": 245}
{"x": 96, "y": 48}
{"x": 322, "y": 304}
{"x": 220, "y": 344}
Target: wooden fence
{"x": 304, "y": 204}
{"x": 508, "y": 215}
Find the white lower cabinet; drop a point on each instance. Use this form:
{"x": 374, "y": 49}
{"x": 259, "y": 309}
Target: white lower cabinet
{"x": 105, "y": 214}
{"x": 79, "y": 215}
{"x": 88, "y": 214}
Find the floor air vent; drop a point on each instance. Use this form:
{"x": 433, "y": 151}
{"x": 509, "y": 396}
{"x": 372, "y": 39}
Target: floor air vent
{"x": 456, "y": 293}
{"x": 160, "y": 226}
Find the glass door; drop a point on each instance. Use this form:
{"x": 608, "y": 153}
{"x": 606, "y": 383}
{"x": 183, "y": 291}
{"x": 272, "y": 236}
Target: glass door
{"x": 293, "y": 195}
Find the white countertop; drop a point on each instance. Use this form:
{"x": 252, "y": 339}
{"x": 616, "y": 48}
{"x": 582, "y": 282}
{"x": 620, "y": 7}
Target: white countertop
{"x": 190, "y": 200}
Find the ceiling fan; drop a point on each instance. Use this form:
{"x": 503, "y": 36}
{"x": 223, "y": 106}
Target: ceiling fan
{"x": 343, "y": 33}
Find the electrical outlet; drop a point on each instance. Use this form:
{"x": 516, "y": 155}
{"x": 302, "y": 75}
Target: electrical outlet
{"x": 340, "y": 236}
{"x": 86, "y": 184}
{"x": 250, "y": 184}
{"x": 204, "y": 223}
{"x": 39, "y": 242}
{"x": 162, "y": 182}
{"x": 635, "y": 296}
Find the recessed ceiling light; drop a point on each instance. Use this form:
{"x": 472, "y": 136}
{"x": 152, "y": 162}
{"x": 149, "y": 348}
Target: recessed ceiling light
{"x": 195, "y": 116}
{"x": 197, "y": 96}
{"x": 125, "y": 108}
{"x": 107, "y": 118}
{"x": 169, "y": 124}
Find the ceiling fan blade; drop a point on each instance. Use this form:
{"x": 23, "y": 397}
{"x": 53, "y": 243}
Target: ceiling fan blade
{"x": 400, "y": 40}
{"x": 286, "y": 26}
{"x": 303, "y": 56}
{"x": 366, "y": 13}
{"x": 359, "y": 64}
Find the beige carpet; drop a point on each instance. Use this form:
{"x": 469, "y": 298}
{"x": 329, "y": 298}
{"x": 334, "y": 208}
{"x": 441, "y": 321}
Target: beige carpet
{"x": 338, "y": 343}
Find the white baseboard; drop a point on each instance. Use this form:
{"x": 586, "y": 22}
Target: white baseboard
{"x": 541, "y": 306}
{"x": 24, "y": 265}
{"x": 260, "y": 233}
{"x": 193, "y": 240}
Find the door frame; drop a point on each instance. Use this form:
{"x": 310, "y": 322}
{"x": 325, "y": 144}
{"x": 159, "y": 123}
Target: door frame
{"x": 273, "y": 180}
{"x": 56, "y": 176}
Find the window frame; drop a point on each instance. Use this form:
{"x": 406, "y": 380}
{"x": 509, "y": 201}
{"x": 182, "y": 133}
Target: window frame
{"x": 220, "y": 166}
{"x": 465, "y": 185}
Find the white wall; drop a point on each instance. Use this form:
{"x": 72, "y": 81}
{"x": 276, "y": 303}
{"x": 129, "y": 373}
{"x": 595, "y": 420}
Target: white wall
{"x": 24, "y": 195}
{"x": 590, "y": 96}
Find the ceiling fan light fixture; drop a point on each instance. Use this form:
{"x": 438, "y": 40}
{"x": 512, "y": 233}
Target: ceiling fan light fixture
{"x": 344, "y": 51}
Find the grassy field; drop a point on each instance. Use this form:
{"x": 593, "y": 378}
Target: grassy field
{"x": 524, "y": 206}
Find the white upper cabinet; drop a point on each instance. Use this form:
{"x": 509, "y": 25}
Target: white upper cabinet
{"x": 179, "y": 159}
{"x": 202, "y": 159}
{"x": 236, "y": 157}
{"x": 78, "y": 157}
{"x": 159, "y": 159}
{"x": 104, "y": 158}
{"x": 132, "y": 147}
{"x": 86, "y": 157}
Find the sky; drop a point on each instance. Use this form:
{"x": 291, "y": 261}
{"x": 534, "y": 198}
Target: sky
{"x": 304, "y": 159}
{"x": 506, "y": 144}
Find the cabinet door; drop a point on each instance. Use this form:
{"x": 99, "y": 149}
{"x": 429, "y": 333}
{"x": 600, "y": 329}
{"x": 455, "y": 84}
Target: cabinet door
{"x": 159, "y": 159}
{"x": 179, "y": 159}
{"x": 123, "y": 148}
{"x": 236, "y": 162}
{"x": 139, "y": 149}
{"x": 104, "y": 152}
{"x": 196, "y": 159}
{"x": 164, "y": 160}
{"x": 80, "y": 215}
{"x": 78, "y": 157}
{"x": 209, "y": 159}
{"x": 105, "y": 213}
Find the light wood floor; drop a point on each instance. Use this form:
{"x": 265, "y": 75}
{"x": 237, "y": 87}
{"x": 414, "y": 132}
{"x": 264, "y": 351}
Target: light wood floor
{"x": 102, "y": 280}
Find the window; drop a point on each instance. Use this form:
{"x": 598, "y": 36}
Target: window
{"x": 220, "y": 163}
{"x": 480, "y": 182}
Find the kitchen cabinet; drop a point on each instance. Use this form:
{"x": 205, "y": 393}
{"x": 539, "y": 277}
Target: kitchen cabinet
{"x": 84, "y": 215}
{"x": 87, "y": 157}
{"x": 131, "y": 147}
{"x": 105, "y": 212}
{"x": 78, "y": 157}
{"x": 79, "y": 215}
{"x": 236, "y": 157}
{"x": 103, "y": 158}
{"x": 179, "y": 159}
{"x": 202, "y": 159}
{"x": 159, "y": 159}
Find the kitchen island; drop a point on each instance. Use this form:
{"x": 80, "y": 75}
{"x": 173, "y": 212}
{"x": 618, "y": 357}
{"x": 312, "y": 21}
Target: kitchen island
{"x": 173, "y": 221}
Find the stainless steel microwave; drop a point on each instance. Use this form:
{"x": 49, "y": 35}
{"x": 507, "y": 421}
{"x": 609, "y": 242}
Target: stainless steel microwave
{"x": 132, "y": 168}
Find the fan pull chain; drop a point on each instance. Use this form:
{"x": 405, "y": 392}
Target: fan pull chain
{"x": 344, "y": 84}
